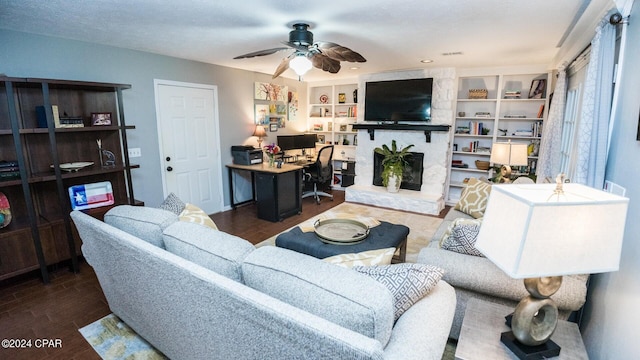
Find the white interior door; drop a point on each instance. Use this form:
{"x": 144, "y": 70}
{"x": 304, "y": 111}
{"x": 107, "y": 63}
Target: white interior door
{"x": 188, "y": 131}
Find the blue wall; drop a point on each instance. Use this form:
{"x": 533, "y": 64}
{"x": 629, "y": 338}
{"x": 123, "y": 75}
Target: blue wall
{"x": 27, "y": 55}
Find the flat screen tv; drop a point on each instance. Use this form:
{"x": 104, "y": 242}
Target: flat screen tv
{"x": 398, "y": 100}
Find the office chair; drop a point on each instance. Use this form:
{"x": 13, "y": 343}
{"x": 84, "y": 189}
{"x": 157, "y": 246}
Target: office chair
{"x": 319, "y": 173}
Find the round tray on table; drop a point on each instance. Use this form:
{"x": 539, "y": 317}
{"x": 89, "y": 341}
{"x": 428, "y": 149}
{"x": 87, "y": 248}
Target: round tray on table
{"x": 341, "y": 231}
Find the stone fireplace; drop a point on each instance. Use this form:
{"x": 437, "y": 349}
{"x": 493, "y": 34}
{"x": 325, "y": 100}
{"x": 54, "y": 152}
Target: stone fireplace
{"x": 429, "y": 197}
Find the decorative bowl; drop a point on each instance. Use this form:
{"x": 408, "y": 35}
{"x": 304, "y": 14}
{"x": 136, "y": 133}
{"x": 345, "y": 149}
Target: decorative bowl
{"x": 482, "y": 165}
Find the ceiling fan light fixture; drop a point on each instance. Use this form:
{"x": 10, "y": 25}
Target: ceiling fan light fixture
{"x": 300, "y": 64}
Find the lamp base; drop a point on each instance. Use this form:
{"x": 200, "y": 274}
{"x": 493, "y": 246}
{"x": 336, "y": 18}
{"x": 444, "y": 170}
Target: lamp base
{"x": 544, "y": 351}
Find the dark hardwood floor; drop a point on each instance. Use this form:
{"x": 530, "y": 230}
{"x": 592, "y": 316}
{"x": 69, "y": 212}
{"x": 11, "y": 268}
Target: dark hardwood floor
{"x": 30, "y": 310}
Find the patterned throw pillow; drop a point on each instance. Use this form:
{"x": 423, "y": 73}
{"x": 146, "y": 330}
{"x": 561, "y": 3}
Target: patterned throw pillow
{"x": 407, "y": 282}
{"x": 365, "y": 258}
{"x": 474, "y": 198}
{"x": 463, "y": 239}
{"x": 173, "y": 203}
{"x": 454, "y": 223}
{"x": 194, "y": 214}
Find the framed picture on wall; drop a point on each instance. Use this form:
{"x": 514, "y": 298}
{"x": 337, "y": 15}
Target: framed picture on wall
{"x": 537, "y": 89}
{"x": 262, "y": 114}
{"x": 273, "y": 127}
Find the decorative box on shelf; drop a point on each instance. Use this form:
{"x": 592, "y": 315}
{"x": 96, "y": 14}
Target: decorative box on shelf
{"x": 478, "y": 93}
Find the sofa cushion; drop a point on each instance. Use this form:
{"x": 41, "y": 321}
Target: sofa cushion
{"x": 173, "y": 203}
{"x": 146, "y": 223}
{"x": 474, "y": 198}
{"x": 365, "y": 258}
{"x": 407, "y": 282}
{"x": 337, "y": 294}
{"x": 212, "y": 249}
{"x": 194, "y": 214}
{"x": 480, "y": 275}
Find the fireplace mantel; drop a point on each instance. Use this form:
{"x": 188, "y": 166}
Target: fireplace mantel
{"x": 371, "y": 128}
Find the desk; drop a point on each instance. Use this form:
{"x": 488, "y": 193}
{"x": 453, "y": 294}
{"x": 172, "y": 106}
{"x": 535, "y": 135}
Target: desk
{"x": 276, "y": 191}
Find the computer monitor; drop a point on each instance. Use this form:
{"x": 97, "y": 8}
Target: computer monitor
{"x": 287, "y": 142}
{"x": 308, "y": 141}
{"x": 294, "y": 142}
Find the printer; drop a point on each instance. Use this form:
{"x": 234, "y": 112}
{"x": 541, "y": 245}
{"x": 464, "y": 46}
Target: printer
{"x": 246, "y": 155}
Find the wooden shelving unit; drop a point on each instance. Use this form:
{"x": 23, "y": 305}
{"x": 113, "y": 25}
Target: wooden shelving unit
{"x": 41, "y": 232}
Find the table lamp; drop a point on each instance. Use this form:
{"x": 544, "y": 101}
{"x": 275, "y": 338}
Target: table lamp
{"x": 540, "y": 232}
{"x": 260, "y": 132}
{"x": 508, "y": 154}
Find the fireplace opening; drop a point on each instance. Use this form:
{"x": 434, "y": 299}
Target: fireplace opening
{"x": 412, "y": 175}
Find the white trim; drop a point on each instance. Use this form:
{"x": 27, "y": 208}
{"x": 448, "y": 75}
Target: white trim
{"x": 216, "y": 120}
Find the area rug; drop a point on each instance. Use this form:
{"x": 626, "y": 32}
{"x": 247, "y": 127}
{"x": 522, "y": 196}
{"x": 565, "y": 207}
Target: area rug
{"x": 112, "y": 339}
{"x": 421, "y": 227}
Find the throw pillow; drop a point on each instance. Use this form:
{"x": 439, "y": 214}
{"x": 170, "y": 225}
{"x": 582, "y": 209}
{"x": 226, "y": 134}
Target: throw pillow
{"x": 474, "y": 198}
{"x": 365, "y": 258}
{"x": 463, "y": 239}
{"x": 453, "y": 224}
{"x": 173, "y": 203}
{"x": 407, "y": 282}
{"x": 194, "y": 214}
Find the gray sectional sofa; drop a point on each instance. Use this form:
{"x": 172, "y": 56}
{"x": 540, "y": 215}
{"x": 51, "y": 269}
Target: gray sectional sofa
{"x": 477, "y": 277}
{"x": 198, "y": 293}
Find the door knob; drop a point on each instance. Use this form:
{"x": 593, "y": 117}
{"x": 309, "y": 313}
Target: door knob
{"x": 168, "y": 158}
{"x": 169, "y": 168}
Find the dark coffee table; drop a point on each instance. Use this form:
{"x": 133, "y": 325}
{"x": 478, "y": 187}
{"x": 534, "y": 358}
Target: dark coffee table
{"x": 385, "y": 235}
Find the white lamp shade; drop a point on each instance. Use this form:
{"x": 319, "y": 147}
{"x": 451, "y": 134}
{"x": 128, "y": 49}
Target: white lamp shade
{"x": 509, "y": 154}
{"x": 529, "y": 232}
{"x": 300, "y": 64}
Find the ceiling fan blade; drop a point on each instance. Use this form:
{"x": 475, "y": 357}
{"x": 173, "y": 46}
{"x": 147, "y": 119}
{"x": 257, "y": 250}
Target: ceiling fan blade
{"x": 284, "y": 65}
{"x": 339, "y": 52}
{"x": 325, "y": 63}
{"x": 261, "y": 53}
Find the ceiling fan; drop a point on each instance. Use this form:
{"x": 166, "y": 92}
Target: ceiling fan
{"x": 322, "y": 55}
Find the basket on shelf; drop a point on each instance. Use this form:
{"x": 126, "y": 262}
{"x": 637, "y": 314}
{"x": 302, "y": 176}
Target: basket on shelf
{"x": 482, "y": 165}
{"x": 478, "y": 93}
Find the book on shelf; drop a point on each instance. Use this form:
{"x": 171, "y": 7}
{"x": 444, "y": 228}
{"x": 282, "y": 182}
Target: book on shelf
{"x": 42, "y": 116}
{"x": 9, "y": 175}
{"x": 475, "y": 127}
{"x": 541, "y": 111}
{"x": 8, "y": 164}
{"x": 522, "y": 132}
{"x": 512, "y": 94}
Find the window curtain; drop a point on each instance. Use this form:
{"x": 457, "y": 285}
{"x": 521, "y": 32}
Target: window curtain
{"x": 624, "y": 8}
{"x": 551, "y": 143}
{"x": 593, "y": 128}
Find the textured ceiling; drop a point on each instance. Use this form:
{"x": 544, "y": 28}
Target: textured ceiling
{"x": 391, "y": 35}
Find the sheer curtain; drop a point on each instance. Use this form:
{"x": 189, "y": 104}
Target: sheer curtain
{"x": 551, "y": 143}
{"x": 593, "y": 129}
